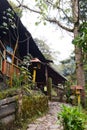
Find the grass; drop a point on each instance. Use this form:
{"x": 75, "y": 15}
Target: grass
{"x": 22, "y": 124}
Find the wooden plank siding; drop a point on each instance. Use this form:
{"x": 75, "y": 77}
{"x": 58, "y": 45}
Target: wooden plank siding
{"x": 6, "y": 65}
{"x": 16, "y": 69}
{"x": 0, "y": 63}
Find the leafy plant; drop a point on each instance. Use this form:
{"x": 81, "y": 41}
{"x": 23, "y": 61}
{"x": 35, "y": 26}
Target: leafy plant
{"x": 71, "y": 118}
{"x": 68, "y": 90}
{"x": 8, "y": 21}
{"x": 16, "y": 81}
{"x": 25, "y": 74}
{"x": 24, "y": 78}
{"x": 17, "y": 10}
{"x": 81, "y": 40}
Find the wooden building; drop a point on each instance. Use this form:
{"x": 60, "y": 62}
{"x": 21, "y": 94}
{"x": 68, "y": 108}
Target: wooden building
{"x": 15, "y": 43}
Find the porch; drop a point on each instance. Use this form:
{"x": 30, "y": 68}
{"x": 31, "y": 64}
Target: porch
{"x": 6, "y": 66}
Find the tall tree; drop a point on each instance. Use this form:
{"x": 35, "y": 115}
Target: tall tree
{"x": 48, "y": 52}
{"x": 68, "y": 66}
{"x": 44, "y": 48}
{"x": 65, "y": 14}
{"x": 78, "y": 50}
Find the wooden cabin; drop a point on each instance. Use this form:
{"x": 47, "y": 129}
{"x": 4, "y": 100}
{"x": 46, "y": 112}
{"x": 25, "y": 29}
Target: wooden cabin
{"x": 11, "y": 56}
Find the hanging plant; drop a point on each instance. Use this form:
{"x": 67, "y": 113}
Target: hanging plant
{"x": 8, "y": 20}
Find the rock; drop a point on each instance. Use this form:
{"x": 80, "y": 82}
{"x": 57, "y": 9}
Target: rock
{"x": 49, "y": 121}
{"x": 54, "y": 127}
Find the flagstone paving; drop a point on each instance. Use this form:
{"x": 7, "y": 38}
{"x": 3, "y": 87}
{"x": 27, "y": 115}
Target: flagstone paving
{"x": 49, "y": 121}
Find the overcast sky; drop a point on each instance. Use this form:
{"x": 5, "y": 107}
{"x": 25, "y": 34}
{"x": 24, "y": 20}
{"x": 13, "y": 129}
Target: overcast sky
{"x": 56, "y": 38}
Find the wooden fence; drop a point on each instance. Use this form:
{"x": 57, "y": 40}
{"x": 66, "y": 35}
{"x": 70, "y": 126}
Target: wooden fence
{"x": 7, "y": 110}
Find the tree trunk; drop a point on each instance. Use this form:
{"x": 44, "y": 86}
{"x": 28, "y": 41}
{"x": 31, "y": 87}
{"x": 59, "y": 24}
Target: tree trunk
{"x": 79, "y": 67}
{"x": 12, "y": 66}
{"x": 78, "y": 51}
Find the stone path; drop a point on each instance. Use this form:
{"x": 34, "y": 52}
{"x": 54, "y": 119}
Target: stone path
{"x": 49, "y": 121}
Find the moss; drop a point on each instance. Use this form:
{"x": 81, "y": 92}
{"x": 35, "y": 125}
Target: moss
{"x": 33, "y": 106}
{"x": 8, "y": 93}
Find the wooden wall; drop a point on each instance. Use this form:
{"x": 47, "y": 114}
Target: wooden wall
{"x": 7, "y": 110}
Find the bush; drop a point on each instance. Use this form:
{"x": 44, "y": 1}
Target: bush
{"x": 71, "y": 118}
{"x": 8, "y": 93}
{"x": 34, "y": 106}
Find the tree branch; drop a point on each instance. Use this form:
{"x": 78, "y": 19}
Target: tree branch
{"x": 26, "y": 7}
{"x": 48, "y": 19}
{"x": 59, "y": 24}
{"x": 65, "y": 14}
{"x": 59, "y": 8}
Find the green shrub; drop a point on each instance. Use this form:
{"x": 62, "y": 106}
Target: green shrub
{"x": 8, "y": 93}
{"x": 34, "y": 105}
{"x": 71, "y": 118}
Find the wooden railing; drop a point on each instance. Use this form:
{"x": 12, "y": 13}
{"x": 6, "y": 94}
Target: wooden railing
{"x": 0, "y": 62}
{"x": 2, "y": 48}
{"x": 5, "y": 64}
{"x": 16, "y": 69}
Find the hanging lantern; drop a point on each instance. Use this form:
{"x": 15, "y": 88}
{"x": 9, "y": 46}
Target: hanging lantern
{"x": 77, "y": 89}
{"x": 39, "y": 65}
{"x": 78, "y": 92}
{"x": 36, "y": 65}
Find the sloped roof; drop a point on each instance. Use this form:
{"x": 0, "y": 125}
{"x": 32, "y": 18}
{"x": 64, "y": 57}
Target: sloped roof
{"x": 24, "y": 34}
{"x": 56, "y": 76}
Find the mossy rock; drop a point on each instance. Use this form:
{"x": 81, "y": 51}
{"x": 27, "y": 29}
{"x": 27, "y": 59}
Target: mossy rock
{"x": 8, "y": 93}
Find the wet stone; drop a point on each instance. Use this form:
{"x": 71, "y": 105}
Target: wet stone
{"x": 49, "y": 121}
{"x": 53, "y": 127}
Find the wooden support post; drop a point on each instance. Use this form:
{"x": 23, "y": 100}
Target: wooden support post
{"x": 0, "y": 63}
{"x": 4, "y": 63}
{"x": 34, "y": 74}
{"x": 4, "y": 67}
{"x": 20, "y": 103}
{"x": 12, "y": 71}
{"x": 46, "y": 74}
{"x": 79, "y": 101}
